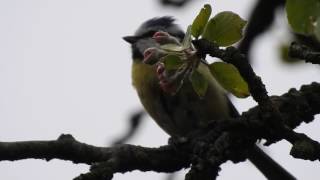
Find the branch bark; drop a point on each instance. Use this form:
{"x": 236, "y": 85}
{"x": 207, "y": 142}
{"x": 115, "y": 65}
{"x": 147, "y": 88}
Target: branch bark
{"x": 303, "y": 52}
{"x": 226, "y": 140}
{"x": 68, "y": 148}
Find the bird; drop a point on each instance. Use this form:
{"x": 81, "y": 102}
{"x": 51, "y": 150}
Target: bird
{"x": 185, "y": 111}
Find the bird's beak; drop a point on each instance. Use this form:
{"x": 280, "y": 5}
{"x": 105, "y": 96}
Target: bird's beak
{"x": 131, "y": 39}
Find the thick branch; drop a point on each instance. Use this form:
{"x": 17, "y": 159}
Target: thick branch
{"x": 270, "y": 116}
{"x": 64, "y": 148}
{"x": 257, "y": 88}
{"x": 225, "y": 140}
{"x": 233, "y": 56}
{"x": 162, "y": 159}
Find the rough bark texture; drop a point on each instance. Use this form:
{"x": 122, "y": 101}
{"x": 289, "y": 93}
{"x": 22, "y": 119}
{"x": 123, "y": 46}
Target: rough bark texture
{"x": 206, "y": 150}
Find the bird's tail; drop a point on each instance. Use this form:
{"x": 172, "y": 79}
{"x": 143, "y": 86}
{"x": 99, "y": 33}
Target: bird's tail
{"x": 267, "y": 166}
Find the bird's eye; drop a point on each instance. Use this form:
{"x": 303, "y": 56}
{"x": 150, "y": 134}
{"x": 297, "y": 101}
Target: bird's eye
{"x": 150, "y": 33}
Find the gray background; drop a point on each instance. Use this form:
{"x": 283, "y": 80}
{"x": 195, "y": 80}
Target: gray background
{"x": 65, "y": 69}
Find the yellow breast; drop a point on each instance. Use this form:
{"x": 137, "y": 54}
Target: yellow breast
{"x": 143, "y": 75}
{"x": 183, "y": 112}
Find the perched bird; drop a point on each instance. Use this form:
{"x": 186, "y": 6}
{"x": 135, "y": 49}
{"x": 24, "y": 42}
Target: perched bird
{"x": 185, "y": 111}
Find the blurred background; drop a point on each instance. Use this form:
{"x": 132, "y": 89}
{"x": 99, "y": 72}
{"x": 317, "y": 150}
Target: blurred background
{"x": 64, "y": 68}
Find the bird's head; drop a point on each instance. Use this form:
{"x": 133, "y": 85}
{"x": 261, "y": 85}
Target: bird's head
{"x": 142, "y": 39}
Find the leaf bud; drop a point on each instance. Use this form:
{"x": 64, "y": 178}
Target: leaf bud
{"x": 152, "y": 55}
{"x": 162, "y": 37}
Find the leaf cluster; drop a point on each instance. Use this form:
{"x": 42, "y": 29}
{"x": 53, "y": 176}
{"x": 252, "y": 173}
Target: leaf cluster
{"x": 181, "y": 62}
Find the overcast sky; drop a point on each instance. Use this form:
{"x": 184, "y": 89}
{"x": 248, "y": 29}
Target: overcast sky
{"x": 65, "y": 69}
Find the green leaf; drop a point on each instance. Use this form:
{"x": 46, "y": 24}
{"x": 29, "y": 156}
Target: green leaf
{"x": 199, "y": 23}
{"x": 172, "y": 47}
{"x": 172, "y": 62}
{"x": 317, "y": 29}
{"x": 230, "y": 79}
{"x": 302, "y": 15}
{"x": 199, "y": 83}
{"x": 284, "y": 54}
{"x": 186, "y": 43}
{"x": 225, "y": 28}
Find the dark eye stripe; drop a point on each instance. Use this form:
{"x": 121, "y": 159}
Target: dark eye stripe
{"x": 148, "y": 34}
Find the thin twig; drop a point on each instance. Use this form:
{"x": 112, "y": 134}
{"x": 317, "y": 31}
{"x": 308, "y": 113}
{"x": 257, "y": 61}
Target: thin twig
{"x": 303, "y": 52}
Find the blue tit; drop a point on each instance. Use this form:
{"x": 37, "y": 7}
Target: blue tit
{"x": 185, "y": 111}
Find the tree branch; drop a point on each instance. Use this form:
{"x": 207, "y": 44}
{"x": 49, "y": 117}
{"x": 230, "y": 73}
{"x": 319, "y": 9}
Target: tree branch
{"x": 162, "y": 159}
{"x": 206, "y": 150}
{"x": 64, "y": 148}
{"x": 259, "y": 21}
{"x": 303, "y": 52}
{"x": 257, "y": 88}
{"x": 271, "y": 118}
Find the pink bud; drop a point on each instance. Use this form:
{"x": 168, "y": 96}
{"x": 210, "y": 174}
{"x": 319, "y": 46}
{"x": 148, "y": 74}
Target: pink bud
{"x": 160, "y": 68}
{"x": 149, "y": 56}
{"x": 147, "y": 53}
{"x": 161, "y": 74}
{"x": 162, "y": 37}
{"x": 152, "y": 55}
